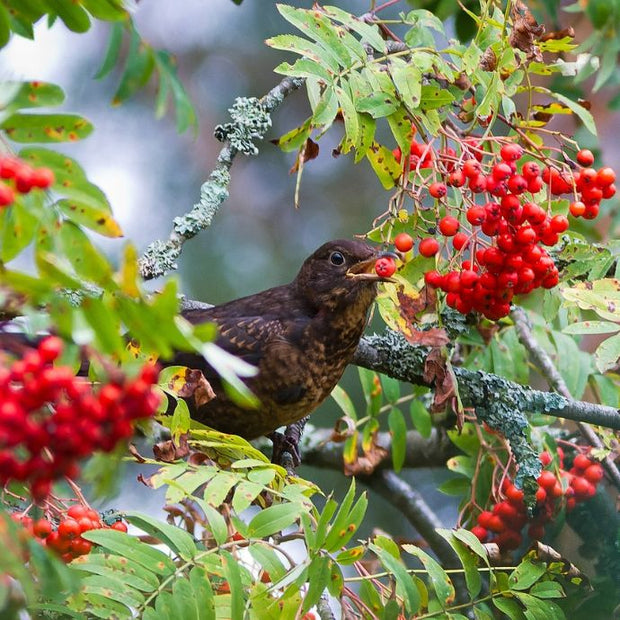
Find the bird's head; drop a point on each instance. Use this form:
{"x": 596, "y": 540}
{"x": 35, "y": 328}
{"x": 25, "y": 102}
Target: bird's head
{"x": 341, "y": 272}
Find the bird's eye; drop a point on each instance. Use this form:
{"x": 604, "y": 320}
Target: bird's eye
{"x": 336, "y": 258}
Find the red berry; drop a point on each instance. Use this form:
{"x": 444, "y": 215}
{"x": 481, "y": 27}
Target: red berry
{"x": 68, "y": 529}
{"x": 514, "y": 495}
{"x": 484, "y": 518}
{"x": 460, "y": 240}
{"x": 7, "y": 195}
{"x": 9, "y": 167}
{"x": 449, "y": 226}
{"x": 433, "y": 278}
{"x": 511, "y": 152}
{"x": 530, "y": 170}
{"x": 594, "y": 473}
{"x": 501, "y": 171}
{"x": 559, "y": 223}
{"x": 479, "y": 532}
{"x": 517, "y": 184}
{"x": 585, "y": 157}
{"x": 438, "y": 190}
{"x": 119, "y": 526}
{"x": 79, "y": 546}
{"x": 477, "y": 183}
{"x": 77, "y": 511}
{"x": 541, "y": 495}
{"x": 582, "y": 462}
{"x": 496, "y": 524}
{"x": 42, "y": 528}
{"x": 609, "y": 191}
{"x": 42, "y": 178}
{"x": 429, "y": 247}
{"x": 50, "y": 348}
{"x": 605, "y": 176}
{"x": 471, "y": 168}
{"x": 476, "y": 215}
{"x": 403, "y": 242}
{"x": 456, "y": 179}
{"x": 385, "y": 267}
{"x": 577, "y": 209}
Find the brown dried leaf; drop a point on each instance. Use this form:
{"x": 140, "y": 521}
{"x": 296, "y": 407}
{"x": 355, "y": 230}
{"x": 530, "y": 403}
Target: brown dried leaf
{"x": 343, "y": 429}
{"x": 436, "y": 373}
{"x": 308, "y": 152}
{"x": 559, "y": 34}
{"x": 433, "y": 337}
{"x": 189, "y": 383}
{"x": 365, "y": 464}
{"x": 168, "y": 451}
{"x": 548, "y": 554}
{"x": 488, "y": 62}
{"x": 525, "y": 31}
{"x": 136, "y": 455}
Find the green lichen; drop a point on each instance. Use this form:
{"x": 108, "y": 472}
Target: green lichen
{"x": 250, "y": 121}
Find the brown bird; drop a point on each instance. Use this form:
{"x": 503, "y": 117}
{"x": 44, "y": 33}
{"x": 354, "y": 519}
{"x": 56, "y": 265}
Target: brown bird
{"x": 300, "y": 336}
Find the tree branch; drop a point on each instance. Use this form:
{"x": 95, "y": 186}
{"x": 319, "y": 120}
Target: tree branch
{"x": 555, "y": 380}
{"x": 250, "y": 121}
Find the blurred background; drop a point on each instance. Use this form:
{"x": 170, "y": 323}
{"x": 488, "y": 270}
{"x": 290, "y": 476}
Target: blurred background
{"x": 151, "y": 174}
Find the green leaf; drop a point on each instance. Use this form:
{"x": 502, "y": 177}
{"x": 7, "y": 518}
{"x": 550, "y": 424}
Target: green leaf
{"x": 5, "y": 26}
{"x": 296, "y": 138}
{"x": 135, "y": 575}
{"x": 138, "y": 68}
{"x": 128, "y": 546}
{"x": 71, "y": 13}
{"x": 233, "y": 575}
{"x": 585, "y": 115}
{"x": 87, "y": 261}
{"x": 408, "y": 81}
{"x": 105, "y": 324}
{"x": 369, "y": 32}
{"x": 305, "y": 68}
{"x": 343, "y": 400}
{"x": 384, "y": 164}
{"x": 607, "y": 353}
{"x": 592, "y": 327}
{"x": 367, "y": 126}
{"x": 17, "y": 230}
{"x": 510, "y": 607}
{"x": 526, "y": 575}
{"x": 351, "y": 123}
{"x": 469, "y": 560}
{"x": 216, "y": 522}
{"x": 273, "y": 519}
{"x": 305, "y": 48}
{"x": 333, "y": 39}
{"x": 94, "y": 218}
{"x": 70, "y": 180}
{"x": 404, "y": 583}
{"x": 108, "y": 10}
{"x": 318, "y": 577}
{"x": 421, "y": 418}
{"x": 112, "y": 53}
{"x": 346, "y": 521}
{"x": 46, "y": 127}
{"x": 398, "y": 431}
{"x": 168, "y": 77}
{"x": 268, "y": 560}
{"x": 34, "y": 94}
{"x": 547, "y": 589}
{"x": 378, "y": 105}
{"x": 391, "y": 388}
{"x": 439, "y": 578}
{"x": 433, "y": 97}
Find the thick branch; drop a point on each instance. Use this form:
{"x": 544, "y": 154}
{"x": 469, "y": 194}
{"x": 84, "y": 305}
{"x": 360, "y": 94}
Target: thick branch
{"x": 392, "y": 355}
{"x": 544, "y": 362}
{"x": 250, "y": 121}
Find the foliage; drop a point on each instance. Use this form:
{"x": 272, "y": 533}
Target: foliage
{"x": 242, "y": 537}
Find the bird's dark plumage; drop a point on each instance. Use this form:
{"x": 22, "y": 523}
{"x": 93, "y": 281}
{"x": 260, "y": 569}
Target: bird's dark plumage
{"x": 300, "y": 336}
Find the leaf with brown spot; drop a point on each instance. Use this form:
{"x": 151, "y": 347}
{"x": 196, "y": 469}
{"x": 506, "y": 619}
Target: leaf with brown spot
{"x": 437, "y": 374}
{"x": 343, "y": 429}
{"x": 488, "y": 61}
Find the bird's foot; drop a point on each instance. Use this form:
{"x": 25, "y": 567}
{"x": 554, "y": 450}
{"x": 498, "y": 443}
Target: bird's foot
{"x": 287, "y": 443}
{"x": 285, "y": 451}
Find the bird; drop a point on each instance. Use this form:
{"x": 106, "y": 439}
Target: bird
{"x": 300, "y": 337}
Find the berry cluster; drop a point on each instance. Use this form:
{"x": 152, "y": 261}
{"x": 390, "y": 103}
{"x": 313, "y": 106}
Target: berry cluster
{"x": 20, "y": 177}
{"x": 49, "y": 418}
{"x": 502, "y": 221}
{"x": 64, "y": 535}
{"x": 557, "y": 490}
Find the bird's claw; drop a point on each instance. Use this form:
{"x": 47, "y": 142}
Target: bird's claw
{"x": 284, "y": 445}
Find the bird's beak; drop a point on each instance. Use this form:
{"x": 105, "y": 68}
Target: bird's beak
{"x": 365, "y": 270}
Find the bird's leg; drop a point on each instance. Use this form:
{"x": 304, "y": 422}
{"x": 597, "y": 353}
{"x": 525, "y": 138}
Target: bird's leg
{"x": 288, "y": 442}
